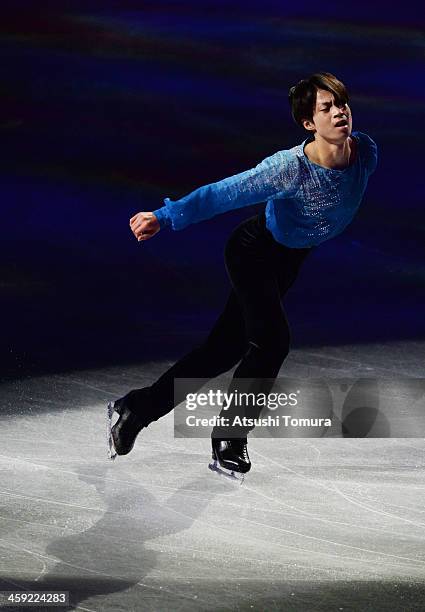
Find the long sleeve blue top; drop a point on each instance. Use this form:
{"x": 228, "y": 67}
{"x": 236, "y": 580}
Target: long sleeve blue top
{"x": 306, "y": 203}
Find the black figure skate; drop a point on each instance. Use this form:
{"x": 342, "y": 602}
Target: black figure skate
{"x": 122, "y": 435}
{"x": 230, "y": 458}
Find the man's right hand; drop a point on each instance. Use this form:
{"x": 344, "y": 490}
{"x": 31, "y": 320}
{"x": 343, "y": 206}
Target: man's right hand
{"x": 144, "y": 225}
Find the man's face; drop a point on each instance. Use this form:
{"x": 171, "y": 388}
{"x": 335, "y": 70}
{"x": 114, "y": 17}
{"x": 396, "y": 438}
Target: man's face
{"x": 327, "y": 117}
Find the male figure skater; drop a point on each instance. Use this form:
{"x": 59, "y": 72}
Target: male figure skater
{"x": 313, "y": 191}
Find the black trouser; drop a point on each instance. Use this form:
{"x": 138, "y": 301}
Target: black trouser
{"x": 252, "y": 328}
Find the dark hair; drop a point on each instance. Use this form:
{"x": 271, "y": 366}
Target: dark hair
{"x": 302, "y": 96}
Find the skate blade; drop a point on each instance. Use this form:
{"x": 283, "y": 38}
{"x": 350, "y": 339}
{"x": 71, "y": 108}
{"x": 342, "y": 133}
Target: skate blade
{"x": 112, "y": 453}
{"x": 231, "y": 474}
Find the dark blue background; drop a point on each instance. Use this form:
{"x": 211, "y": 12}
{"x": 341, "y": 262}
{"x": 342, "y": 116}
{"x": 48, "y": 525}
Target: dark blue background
{"x": 108, "y": 107}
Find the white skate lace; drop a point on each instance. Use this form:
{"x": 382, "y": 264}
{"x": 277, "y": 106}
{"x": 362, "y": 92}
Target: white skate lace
{"x": 244, "y": 451}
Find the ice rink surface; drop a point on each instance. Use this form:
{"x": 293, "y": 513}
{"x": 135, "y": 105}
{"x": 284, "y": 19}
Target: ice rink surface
{"x": 319, "y": 524}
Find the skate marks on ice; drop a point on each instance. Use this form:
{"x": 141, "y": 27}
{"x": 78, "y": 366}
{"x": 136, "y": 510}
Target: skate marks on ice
{"x": 155, "y": 550}
{"x": 316, "y": 523}
{"x": 380, "y": 360}
{"x": 116, "y": 553}
{"x": 388, "y": 532}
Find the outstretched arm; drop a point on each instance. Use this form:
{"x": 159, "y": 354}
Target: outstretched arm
{"x": 271, "y": 176}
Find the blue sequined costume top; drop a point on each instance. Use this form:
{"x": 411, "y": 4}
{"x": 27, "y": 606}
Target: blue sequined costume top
{"x": 306, "y": 203}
